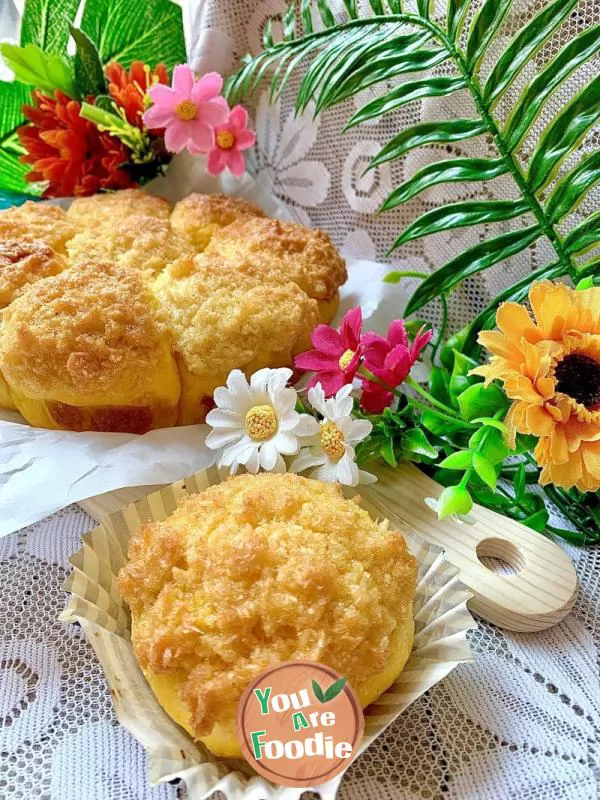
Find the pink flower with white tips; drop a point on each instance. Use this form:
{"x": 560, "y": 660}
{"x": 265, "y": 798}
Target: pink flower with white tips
{"x": 190, "y": 110}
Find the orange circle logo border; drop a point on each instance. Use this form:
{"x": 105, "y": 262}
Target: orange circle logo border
{"x": 295, "y": 676}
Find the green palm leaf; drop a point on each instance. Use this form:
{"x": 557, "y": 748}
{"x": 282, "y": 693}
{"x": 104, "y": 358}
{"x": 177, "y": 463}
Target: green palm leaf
{"x": 584, "y": 236}
{"x": 457, "y": 130}
{"x": 531, "y": 101}
{"x": 523, "y": 47}
{"x": 343, "y": 58}
{"x": 564, "y": 134}
{"x": 569, "y": 191}
{"x": 461, "y": 215}
{"x": 472, "y": 261}
{"x": 450, "y": 170}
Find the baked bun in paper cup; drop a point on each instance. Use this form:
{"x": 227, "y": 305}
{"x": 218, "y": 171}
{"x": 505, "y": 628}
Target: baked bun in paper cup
{"x": 441, "y": 622}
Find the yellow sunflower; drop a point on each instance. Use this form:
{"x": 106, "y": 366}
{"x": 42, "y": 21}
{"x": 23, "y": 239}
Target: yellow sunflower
{"x": 550, "y": 367}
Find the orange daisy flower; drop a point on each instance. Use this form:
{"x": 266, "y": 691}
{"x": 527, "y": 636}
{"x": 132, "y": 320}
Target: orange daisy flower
{"x": 129, "y": 89}
{"x": 550, "y": 367}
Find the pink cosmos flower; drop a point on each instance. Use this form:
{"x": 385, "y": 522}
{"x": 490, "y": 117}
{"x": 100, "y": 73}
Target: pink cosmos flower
{"x": 230, "y": 139}
{"x": 390, "y": 359}
{"x": 337, "y": 353}
{"x": 189, "y": 110}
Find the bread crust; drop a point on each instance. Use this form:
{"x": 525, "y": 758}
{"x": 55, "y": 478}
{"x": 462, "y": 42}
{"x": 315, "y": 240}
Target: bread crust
{"x": 305, "y": 256}
{"x": 198, "y": 216}
{"x": 262, "y": 569}
{"x": 23, "y": 263}
{"x": 37, "y": 222}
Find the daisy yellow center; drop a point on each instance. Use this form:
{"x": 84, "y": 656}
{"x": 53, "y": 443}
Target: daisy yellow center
{"x": 225, "y": 139}
{"x": 332, "y": 440}
{"x": 578, "y": 376}
{"x": 346, "y": 358}
{"x": 186, "y": 110}
{"x": 261, "y": 423}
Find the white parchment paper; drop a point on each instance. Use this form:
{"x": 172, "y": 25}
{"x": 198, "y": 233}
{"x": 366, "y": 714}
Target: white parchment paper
{"x": 42, "y": 471}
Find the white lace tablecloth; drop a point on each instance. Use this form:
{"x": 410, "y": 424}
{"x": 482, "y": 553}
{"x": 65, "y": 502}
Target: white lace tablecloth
{"x": 523, "y": 720}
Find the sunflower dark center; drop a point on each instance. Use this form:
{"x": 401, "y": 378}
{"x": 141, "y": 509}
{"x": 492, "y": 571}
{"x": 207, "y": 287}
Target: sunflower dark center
{"x": 578, "y": 377}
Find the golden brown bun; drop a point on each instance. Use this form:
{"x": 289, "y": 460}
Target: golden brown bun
{"x": 305, "y": 256}
{"x": 258, "y": 570}
{"x": 222, "y": 322}
{"x": 23, "y": 263}
{"x": 84, "y": 350}
{"x": 112, "y": 207}
{"x": 37, "y": 221}
{"x": 198, "y": 216}
{"x": 136, "y": 242}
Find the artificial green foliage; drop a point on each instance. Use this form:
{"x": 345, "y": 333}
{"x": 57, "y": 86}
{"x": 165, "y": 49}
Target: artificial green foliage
{"x": 45, "y": 23}
{"x": 129, "y": 30}
{"x": 12, "y": 172}
{"x": 89, "y": 75}
{"x": 344, "y": 57}
{"x": 45, "y": 71}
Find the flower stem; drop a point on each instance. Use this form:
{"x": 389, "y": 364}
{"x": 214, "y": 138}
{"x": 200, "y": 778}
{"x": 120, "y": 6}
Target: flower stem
{"x": 430, "y": 398}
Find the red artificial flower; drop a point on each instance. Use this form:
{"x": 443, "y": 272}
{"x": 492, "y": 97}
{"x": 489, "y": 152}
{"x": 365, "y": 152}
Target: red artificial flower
{"x": 337, "y": 353}
{"x": 389, "y": 359}
{"x": 69, "y": 152}
{"x": 129, "y": 89}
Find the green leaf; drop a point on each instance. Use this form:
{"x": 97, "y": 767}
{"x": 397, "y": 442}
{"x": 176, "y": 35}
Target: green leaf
{"x": 459, "y": 379}
{"x": 423, "y": 8}
{"x": 523, "y": 47}
{"x": 288, "y": 22}
{"x": 480, "y": 401}
{"x": 344, "y": 73}
{"x": 439, "y": 424}
{"x": 584, "y": 236}
{"x": 490, "y": 443}
{"x": 45, "y": 23}
{"x": 447, "y": 171}
{"x": 571, "y": 189}
{"x": 461, "y": 215}
{"x": 12, "y": 172}
{"x": 438, "y": 384}
{"x": 149, "y": 31}
{"x": 455, "y": 17}
{"x": 533, "y": 97}
{"x": 307, "y": 21}
{"x": 519, "y": 482}
{"x": 455, "y": 130}
{"x": 485, "y": 470}
{"x": 454, "y": 500}
{"x": 377, "y": 7}
{"x": 491, "y": 422}
{"x": 537, "y": 521}
{"x": 563, "y": 134}
{"x": 384, "y": 68}
{"x": 351, "y": 8}
{"x": 318, "y": 692}
{"x": 334, "y": 689}
{"x": 387, "y": 452}
{"x": 42, "y": 70}
{"x": 435, "y": 86}
{"x": 324, "y": 63}
{"x": 483, "y": 29}
{"x": 325, "y": 13}
{"x": 415, "y": 441}
{"x": 89, "y": 75}
{"x": 474, "y": 260}
{"x": 460, "y": 460}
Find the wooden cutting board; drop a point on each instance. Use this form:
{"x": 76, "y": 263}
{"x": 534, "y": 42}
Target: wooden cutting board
{"x": 539, "y": 594}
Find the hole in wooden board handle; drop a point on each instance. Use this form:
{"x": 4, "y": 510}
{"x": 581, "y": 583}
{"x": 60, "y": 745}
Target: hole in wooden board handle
{"x": 503, "y": 550}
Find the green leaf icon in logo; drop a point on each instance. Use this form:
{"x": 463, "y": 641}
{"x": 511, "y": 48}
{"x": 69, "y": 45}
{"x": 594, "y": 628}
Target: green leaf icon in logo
{"x": 329, "y": 694}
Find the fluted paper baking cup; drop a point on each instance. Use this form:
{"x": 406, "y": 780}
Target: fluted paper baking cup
{"x": 440, "y": 643}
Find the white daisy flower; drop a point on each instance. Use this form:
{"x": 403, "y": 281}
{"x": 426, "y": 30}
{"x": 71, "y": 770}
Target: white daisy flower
{"x": 256, "y": 423}
{"x": 330, "y": 450}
